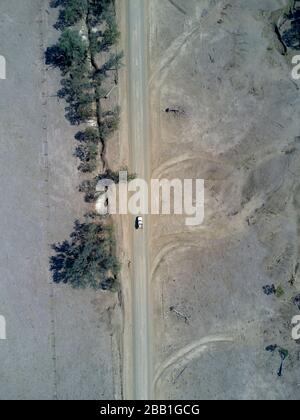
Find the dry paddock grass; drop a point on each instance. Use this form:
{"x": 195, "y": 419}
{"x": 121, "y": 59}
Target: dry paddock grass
{"x": 220, "y": 61}
{"x": 60, "y": 341}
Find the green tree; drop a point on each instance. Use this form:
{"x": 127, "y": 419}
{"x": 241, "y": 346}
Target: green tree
{"x": 100, "y": 10}
{"x": 87, "y": 153}
{"x": 114, "y": 63}
{"x": 74, "y": 11}
{"x": 110, "y": 36}
{"x": 90, "y": 135}
{"x": 72, "y": 48}
{"x": 88, "y": 259}
{"x": 110, "y": 122}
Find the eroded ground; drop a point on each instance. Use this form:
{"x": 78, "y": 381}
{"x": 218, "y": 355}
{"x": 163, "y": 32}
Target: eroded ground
{"x": 222, "y": 64}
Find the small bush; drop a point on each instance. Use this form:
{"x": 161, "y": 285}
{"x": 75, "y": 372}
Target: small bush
{"x": 88, "y": 188}
{"x": 87, "y": 153}
{"x": 90, "y": 135}
{"x": 110, "y": 122}
{"x": 279, "y": 292}
{"x": 114, "y": 62}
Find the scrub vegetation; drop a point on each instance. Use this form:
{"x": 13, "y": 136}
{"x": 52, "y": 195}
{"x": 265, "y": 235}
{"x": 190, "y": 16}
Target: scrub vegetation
{"x": 88, "y": 59}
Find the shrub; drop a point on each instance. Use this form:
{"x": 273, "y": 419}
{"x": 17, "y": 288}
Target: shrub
{"x": 90, "y": 135}
{"x": 110, "y": 122}
{"x": 88, "y": 188}
{"x": 279, "y": 291}
{"x": 114, "y": 62}
{"x": 87, "y": 153}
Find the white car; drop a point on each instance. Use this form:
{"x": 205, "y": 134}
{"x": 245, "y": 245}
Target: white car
{"x": 139, "y": 223}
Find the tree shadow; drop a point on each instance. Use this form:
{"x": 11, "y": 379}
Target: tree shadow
{"x": 87, "y": 259}
{"x": 291, "y": 37}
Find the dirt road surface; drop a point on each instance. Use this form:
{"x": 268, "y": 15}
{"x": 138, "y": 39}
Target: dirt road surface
{"x": 140, "y": 157}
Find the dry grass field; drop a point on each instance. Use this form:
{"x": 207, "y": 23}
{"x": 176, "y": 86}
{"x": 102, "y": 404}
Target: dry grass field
{"x": 59, "y": 341}
{"x": 221, "y": 63}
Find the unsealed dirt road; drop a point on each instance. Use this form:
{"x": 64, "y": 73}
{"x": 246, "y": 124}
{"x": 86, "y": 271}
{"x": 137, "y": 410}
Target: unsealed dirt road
{"x": 140, "y": 157}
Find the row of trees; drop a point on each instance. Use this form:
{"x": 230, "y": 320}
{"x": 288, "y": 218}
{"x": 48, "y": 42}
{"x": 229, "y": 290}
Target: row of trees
{"x": 88, "y": 259}
{"x": 73, "y": 11}
{"x": 82, "y": 85}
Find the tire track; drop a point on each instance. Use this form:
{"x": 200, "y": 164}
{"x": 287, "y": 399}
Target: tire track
{"x": 189, "y": 353}
{"x": 173, "y": 52}
{"x": 180, "y": 9}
